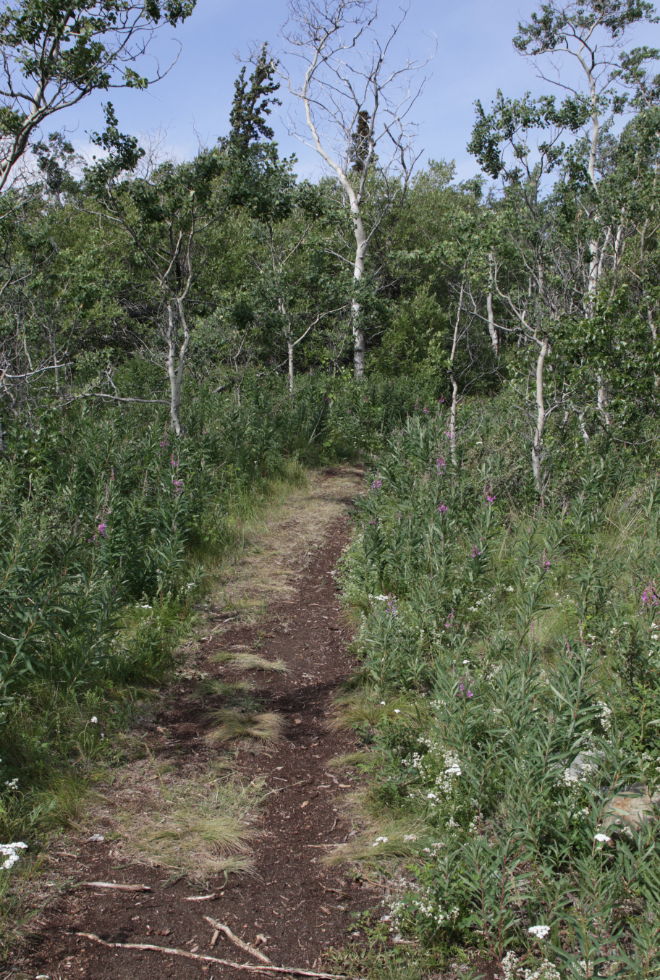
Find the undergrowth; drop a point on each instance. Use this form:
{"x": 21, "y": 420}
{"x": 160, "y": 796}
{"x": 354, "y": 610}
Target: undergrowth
{"x": 110, "y": 532}
{"x": 509, "y": 686}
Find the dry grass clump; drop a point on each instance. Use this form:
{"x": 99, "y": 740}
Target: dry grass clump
{"x": 248, "y": 661}
{"x": 191, "y": 827}
{"x": 233, "y": 725}
{"x": 215, "y": 687}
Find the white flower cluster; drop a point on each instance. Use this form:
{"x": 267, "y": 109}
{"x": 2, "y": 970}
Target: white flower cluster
{"x": 434, "y": 912}
{"x": 438, "y": 767}
{"x": 605, "y": 716}
{"x": 545, "y": 970}
{"x": 12, "y": 783}
{"x": 424, "y": 905}
{"x": 12, "y": 853}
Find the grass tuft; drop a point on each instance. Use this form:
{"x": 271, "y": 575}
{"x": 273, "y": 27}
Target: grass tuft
{"x": 248, "y": 661}
{"x": 194, "y": 828}
{"x": 233, "y": 725}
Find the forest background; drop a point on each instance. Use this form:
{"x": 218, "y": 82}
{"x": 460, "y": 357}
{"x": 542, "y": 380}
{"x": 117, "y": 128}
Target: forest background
{"x": 177, "y": 336}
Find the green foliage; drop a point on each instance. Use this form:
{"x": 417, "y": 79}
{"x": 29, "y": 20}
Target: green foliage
{"x": 527, "y": 643}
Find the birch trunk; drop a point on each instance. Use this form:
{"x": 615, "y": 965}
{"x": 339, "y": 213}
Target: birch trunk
{"x": 452, "y": 418}
{"x": 361, "y": 243}
{"x": 175, "y": 359}
{"x": 454, "y": 382}
{"x": 489, "y": 305}
{"x": 290, "y": 350}
{"x": 537, "y": 442}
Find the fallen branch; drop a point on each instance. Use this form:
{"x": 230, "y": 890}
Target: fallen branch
{"x": 201, "y": 898}
{"x": 221, "y": 927}
{"x": 111, "y": 884}
{"x": 201, "y": 958}
{"x": 116, "y": 398}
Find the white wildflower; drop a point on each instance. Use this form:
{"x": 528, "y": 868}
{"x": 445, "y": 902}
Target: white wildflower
{"x": 10, "y": 853}
{"x": 539, "y": 931}
{"x": 602, "y": 838}
{"x": 93, "y": 720}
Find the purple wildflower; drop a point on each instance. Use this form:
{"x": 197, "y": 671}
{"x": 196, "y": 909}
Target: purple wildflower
{"x": 103, "y": 527}
{"x": 376, "y": 485}
{"x": 443, "y": 508}
{"x": 178, "y": 487}
{"x": 650, "y": 595}
{"x": 470, "y": 694}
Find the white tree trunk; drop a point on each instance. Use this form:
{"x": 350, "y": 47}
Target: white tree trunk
{"x": 452, "y": 418}
{"x": 290, "y": 349}
{"x": 454, "y": 382}
{"x": 175, "y": 360}
{"x": 361, "y": 243}
{"x": 489, "y": 305}
{"x": 537, "y": 441}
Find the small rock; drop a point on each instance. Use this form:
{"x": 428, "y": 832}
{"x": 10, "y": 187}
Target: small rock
{"x": 632, "y": 808}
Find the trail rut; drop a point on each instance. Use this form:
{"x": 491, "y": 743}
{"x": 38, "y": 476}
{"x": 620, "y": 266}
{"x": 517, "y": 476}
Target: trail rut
{"x": 293, "y": 907}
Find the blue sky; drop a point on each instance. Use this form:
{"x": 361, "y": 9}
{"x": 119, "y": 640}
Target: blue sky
{"x": 474, "y": 58}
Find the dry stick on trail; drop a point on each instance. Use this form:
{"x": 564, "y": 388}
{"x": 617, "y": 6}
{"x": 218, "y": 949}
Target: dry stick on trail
{"x": 221, "y": 927}
{"x": 113, "y": 886}
{"x": 201, "y": 958}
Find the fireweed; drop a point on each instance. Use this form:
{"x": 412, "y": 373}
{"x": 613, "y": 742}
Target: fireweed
{"x": 526, "y": 638}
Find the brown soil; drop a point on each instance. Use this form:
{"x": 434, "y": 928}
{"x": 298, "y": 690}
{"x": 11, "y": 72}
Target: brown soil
{"x": 300, "y": 905}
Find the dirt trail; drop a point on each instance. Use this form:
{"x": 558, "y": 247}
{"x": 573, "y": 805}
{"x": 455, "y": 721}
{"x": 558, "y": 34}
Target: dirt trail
{"x": 292, "y": 906}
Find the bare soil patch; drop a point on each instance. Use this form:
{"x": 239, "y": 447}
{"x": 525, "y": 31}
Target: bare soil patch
{"x": 266, "y": 809}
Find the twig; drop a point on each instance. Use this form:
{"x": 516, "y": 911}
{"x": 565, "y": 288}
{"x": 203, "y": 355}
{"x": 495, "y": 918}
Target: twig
{"x": 250, "y": 967}
{"x": 111, "y": 884}
{"x": 215, "y": 937}
{"x": 236, "y": 941}
{"x": 201, "y": 898}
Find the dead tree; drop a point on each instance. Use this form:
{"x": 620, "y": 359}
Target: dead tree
{"x": 356, "y": 109}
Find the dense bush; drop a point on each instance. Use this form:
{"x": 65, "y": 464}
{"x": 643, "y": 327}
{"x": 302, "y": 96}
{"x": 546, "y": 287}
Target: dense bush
{"x": 521, "y": 645}
{"x": 108, "y": 526}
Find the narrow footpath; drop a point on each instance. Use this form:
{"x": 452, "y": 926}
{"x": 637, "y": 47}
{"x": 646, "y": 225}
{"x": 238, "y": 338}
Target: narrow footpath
{"x": 292, "y": 906}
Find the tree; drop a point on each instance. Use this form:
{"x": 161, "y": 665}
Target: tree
{"x": 556, "y": 251}
{"x": 167, "y": 212}
{"x": 55, "y": 54}
{"x": 356, "y": 109}
{"x": 593, "y": 34}
{"x": 162, "y": 214}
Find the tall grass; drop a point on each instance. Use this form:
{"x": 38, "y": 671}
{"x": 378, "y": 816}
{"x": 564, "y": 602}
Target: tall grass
{"x": 521, "y": 645}
{"x": 108, "y": 529}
